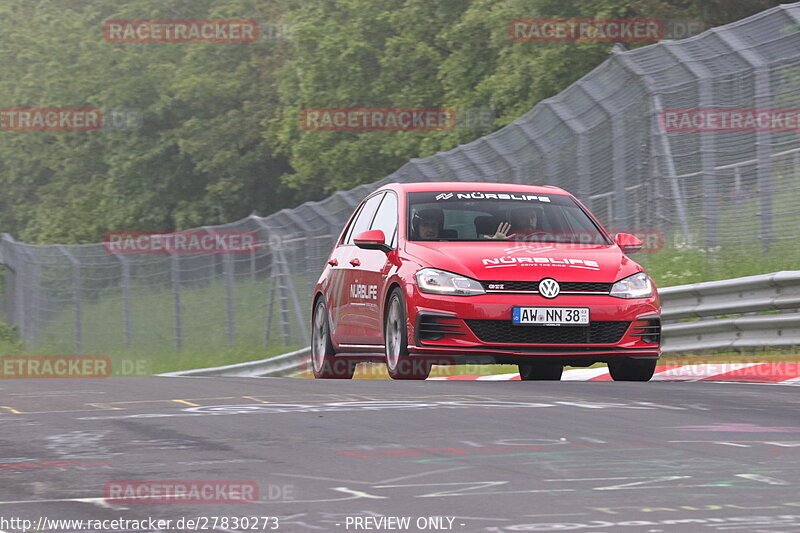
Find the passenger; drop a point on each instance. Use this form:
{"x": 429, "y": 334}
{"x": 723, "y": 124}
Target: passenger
{"x": 524, "y": 221}
{"x": 502, "y": 232}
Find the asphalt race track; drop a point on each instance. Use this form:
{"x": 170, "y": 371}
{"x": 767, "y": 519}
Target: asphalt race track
{"x": 444, "y": 455}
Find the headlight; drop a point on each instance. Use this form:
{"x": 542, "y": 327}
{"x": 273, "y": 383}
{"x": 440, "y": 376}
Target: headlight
{"x": 437, "y": 281}
{"x": 636, "y": 286}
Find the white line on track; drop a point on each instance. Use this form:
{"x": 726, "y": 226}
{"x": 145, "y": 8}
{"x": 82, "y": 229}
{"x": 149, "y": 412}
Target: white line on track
{"x": 497, "y": 377}
{"x": 698, "y": 372}
{"x": 584, "y": 374}
{"x": 708, "y": 372}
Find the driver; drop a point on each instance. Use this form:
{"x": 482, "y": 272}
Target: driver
{"x": 427, "y": 223}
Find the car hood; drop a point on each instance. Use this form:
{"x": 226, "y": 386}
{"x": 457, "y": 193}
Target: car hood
{"x": 516, "y": 261}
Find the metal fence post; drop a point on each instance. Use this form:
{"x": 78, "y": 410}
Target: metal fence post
{"x": 764, "y": 155}
{"x": 276, "y": 292}
{"x": 22, "y": 303}
{"x": 227, "y": 268}
{"x": 76, "y": 296}
{"x": 126, "y": 297}
{"x": 619, "y": 178}
{"x": 7, "y": 259}
{"x": 15, "y": 257}
{"x": 176, "y": 296}
{"x": 281, "y": 271}
{"x": 8, "y": 293}
{"x": 253, "y": 263}
{"x": 708, "y": 164}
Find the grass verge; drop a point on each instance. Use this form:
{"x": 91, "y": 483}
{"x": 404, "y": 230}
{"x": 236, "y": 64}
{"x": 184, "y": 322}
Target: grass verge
{"x": 130, "y": 363}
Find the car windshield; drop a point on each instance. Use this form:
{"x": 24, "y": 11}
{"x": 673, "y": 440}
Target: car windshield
{"x": 485, "y": 216}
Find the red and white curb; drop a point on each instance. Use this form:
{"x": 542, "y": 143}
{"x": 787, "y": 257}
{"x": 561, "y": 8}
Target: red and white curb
{"x": 781, "y": 373}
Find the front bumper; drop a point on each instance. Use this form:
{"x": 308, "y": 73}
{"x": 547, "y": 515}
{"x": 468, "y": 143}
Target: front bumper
{"x": 475, "y": 328}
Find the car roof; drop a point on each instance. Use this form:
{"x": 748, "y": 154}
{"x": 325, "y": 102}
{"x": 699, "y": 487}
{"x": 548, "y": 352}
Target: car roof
{"x": 436, "y": 186}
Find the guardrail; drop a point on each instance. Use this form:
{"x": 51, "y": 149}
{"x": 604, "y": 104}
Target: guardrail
{"x": 288, "y": 364}
{"x": 710, "y": 304}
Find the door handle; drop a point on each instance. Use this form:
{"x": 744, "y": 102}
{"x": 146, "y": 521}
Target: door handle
{"x": 355, "y": 262}
{"x": 333, "y": 262}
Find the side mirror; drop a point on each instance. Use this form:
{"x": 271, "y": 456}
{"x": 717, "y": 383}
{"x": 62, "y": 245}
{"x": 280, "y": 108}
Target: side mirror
{"x": 372, "y": 240}
{"x": 628, "y": 243}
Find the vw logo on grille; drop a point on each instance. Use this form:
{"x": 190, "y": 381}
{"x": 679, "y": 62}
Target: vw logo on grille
{"x": 549, "y": 288}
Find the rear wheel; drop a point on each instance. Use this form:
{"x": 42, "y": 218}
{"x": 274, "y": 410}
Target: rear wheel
{"x": 399, "y": 363}
{"x": 540, "y": 371}
{"x": 625, "y": 369}
{"x": 323, "y": 358}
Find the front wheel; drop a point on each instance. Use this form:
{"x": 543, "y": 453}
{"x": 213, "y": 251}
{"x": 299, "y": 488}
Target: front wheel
{"x": 399, "y": 363}
{"x": 625, "y": 369}
{"x": 540, "y": 371}
{"x": 323, "y": 358}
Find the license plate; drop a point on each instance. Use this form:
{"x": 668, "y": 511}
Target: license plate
{"x": 550, "y": 316}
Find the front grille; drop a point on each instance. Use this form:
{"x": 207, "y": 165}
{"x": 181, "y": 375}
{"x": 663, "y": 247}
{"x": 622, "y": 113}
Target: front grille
{"x": 566, "y": 286}
{"x": 511, "y": 285}
{"x": 585, "y": 286}
{"x": 503, "y": 331}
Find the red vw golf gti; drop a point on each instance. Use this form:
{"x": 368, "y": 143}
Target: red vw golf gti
{"x": 457, "y": 273}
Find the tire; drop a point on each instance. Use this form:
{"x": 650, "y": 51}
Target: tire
{"x": 323, "y": 358}
{"x": 540, "y": 371}
{"x": 625, "y": 369}
{"x": 399, "y": 363}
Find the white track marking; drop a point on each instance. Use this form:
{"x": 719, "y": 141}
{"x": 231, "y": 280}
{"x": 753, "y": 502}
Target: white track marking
{"x": 498, "y": 377}
{"x": 583, "y": 374}
{"x": 705, "y": 372}
{"x": 698, "y": 372}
